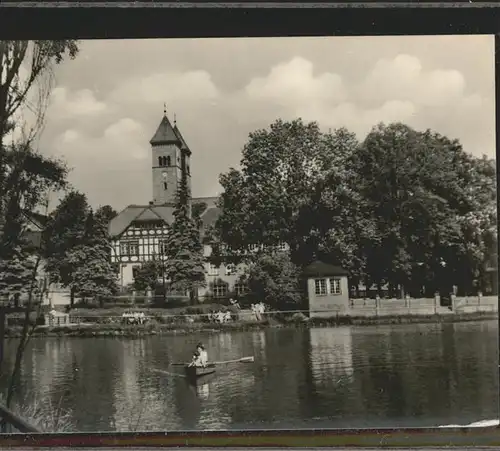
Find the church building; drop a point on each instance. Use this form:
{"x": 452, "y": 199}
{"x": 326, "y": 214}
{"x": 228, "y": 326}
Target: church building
{"x": 139, "y": 232}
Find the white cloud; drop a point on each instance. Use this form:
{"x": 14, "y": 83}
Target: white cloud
{"x": 65, "y": 103}
{"x": 110, "y": 166}
{"x": 69, "y": 136}
{"x": 403, "y": 78}
{"x": 222, "y": 92}
{"x": 397, "y": 89}
{"x": 170, "y": 87}
{"x": 294, "y": 83}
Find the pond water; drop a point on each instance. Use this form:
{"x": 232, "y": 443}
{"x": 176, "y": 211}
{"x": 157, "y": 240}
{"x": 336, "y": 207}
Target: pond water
{"x": 383, "y": 376}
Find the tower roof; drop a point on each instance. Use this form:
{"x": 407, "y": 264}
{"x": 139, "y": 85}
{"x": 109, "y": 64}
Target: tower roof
{"x": 165, "y": 133}
{"x": 184, "y": 146}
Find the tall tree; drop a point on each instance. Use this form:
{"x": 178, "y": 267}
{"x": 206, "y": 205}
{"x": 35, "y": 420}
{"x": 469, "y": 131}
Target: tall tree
{"x": 66, "y": 231}
{"x": 291, "y": 176}
{"x": 25, "y": 176}
{"x": 93, "y": 276}
{"x": 184, "y": 266}
{"x": 416, "y": 187}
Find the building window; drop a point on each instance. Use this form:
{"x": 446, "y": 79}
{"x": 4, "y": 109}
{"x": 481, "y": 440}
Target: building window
{"x": 220, "y": 289}
{"x": 335, "y": 286}
{"x": 129, "y": 248}
{"x": 320, "y": 287}
{"x": 187, "y": 168}
{"x": 254, "y": 247}
{"x": 162, "y": 247}
{"x": 213, "y": 270}
{"x": 168, "y": 161}
{"x": 135, "y": 270}
{"x": 240, "y": 288}
{"x": 230, "y": 269}
{"x": 165, "y": 186}
{"x": 282, "y": 246}
{"x": 160, "y": 161}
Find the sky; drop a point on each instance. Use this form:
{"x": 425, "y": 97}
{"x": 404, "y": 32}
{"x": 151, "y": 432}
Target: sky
{"x": 107, "y": 103}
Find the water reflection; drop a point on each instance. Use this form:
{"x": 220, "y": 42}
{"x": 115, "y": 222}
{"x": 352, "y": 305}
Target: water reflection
{"x": 331, "y": 354}
{"x": 387, "y": 376}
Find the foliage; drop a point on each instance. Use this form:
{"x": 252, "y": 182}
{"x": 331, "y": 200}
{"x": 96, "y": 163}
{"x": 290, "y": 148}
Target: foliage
{"x": 417, "y": 186}
{"x": 273, "y": 279}
{"x": 403, "y": 207}
{"x": 293, "y": 187}
{"x": 105, "y": 214}
{"x": 64, "y": 233}
{"x": 25, "y": 179}
{"x": 43, "y": 414}
{"x": 147, "y": 275}
{"x": 94, "y": 276}
{"x": 184, "y": 266}
{"x": 197, "y": 210}
{"x": 16, "y": 274}
{"x": 26, "y": 66}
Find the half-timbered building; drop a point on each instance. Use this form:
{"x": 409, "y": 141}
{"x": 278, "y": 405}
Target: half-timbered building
{"x": 139, "y": 232}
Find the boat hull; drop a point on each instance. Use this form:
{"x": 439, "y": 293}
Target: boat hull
{"x": 196, "y": 373}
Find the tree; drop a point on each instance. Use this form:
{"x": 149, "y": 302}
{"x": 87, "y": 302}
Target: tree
{"x": 146, "y": 276}
{"x": 64, "y": 233}
{"x": 26, "y": 70}
{"x": 274, "y": 279}
{"x": 291, "y": 176}
{"x": 26, "y": 177}
{"x": 27, "y": 66}
{"x": 25, "y": 181}
{"x": 16, "y": 274}
{"x": 94, "y": 276}
{"x": 184, "y": 267}
{"x": 197, "y": 210}
{"x": 106, "y": 213}
{"x": 416, "y": 187}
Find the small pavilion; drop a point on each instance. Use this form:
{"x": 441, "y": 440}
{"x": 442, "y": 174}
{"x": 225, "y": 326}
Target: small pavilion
{"x": 327, "y": 290}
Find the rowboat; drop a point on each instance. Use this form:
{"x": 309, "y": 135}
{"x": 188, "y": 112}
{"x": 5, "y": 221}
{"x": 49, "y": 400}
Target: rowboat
{"x": 196, "y": 373}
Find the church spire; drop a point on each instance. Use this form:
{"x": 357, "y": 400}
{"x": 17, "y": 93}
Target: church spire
{"x": 165, "y": 133}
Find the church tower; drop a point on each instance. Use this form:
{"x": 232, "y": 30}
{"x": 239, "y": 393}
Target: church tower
{"x": 170, "y": 160}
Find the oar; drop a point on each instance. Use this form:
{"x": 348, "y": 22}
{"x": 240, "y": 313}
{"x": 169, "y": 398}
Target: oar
{"x": 242, "y": 360}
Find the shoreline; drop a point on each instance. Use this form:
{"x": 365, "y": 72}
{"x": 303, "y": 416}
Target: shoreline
{"x": 94, "y": 330}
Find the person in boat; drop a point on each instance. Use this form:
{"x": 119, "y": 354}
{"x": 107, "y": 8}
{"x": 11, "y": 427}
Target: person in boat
{"x": 203, "y": 354}
{"x": 196, "y": 360}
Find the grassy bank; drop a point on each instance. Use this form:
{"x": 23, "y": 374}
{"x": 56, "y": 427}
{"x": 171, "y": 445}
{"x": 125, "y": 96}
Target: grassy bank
{"x": 102, "y": 329}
